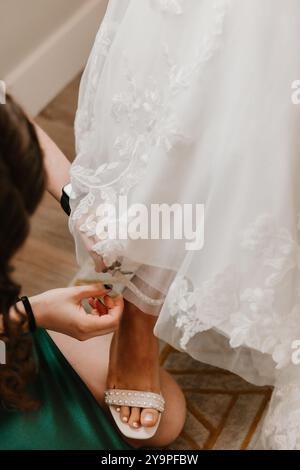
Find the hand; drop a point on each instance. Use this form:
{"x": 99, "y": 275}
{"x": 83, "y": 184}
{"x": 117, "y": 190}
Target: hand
{"x": 61, "y": 310}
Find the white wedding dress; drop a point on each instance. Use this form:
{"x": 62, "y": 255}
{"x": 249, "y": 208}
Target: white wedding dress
{"x": 189, "y": 101}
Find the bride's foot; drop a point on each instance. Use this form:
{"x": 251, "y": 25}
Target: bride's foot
{"x": 134, "y": 364}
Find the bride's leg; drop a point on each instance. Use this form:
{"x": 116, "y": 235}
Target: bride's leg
{"x": 134, "y": 353}
{"x": 90, "y": 359}
{"x": 134, "y": 363}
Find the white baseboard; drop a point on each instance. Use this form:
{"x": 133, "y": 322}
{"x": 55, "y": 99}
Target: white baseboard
{"x": 56, "y": 61}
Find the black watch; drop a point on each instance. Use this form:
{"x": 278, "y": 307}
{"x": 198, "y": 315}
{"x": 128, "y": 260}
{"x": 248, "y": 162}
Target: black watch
{"x": 65, "y": 198}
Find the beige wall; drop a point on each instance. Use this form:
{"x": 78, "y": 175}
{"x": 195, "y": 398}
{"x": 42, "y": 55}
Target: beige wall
{"x": 25, "y": 23}
{"x": 44, "y": 44}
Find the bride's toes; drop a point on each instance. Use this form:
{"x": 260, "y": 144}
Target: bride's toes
{"x": 125, "y": 414}
{"x": 149, "y": 418}
{"x": 135, "y": 418}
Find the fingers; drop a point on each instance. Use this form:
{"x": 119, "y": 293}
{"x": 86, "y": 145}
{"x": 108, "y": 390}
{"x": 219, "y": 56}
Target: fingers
{"x": 109, "y": 302}
{"x": 97, "y": 307}
{"x": 106, "y": 304}
{"x": 93, "y": 290}
{"x": 95, "y": 325}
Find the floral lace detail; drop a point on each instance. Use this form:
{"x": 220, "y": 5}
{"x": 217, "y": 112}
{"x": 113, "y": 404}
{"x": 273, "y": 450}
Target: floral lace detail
{"x": 85, "y": 119}
{"x": 274, "y": 246}
{"x": 105, "y": 37}
{"x": 145, "y": 113}
{"x": 83, "y": 207}
{"x": 110, "y": 251}
{"x": 281, "y": 426}
{"x": 148, "y": 114}
{"x": 254, "y": 321}
{"x": 181, "y": 76}
{"x": 170, "y": 6}
{"x": 85, "y": 127}
{"x": 216, "y": 299}
{"x": 152, "y": 124}
{"x": 256, "y": 312}
{"x": 285, "y": 332}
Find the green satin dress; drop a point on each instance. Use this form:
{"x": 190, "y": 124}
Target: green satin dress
{"x": 69, "y": 417}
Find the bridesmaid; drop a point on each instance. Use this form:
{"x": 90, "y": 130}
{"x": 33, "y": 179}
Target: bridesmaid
{"x": 49, "y": 402}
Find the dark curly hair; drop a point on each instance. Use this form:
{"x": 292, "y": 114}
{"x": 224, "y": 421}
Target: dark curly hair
{"x": 22, "y": 184}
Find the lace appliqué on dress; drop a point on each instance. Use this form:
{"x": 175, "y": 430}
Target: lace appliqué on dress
{"x": 182, "y": 75}
{"x": 216, "y": 299}
{"x": 281, "y": 425}
{"x": 145, "y": 113}
{"x": 85, "y": 118}
{"x": 251, "y": 312}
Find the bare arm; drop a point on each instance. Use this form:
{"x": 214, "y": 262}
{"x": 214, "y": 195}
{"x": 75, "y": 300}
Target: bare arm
{"x": 58, "y": 172}
{"x": 57, "y": 165}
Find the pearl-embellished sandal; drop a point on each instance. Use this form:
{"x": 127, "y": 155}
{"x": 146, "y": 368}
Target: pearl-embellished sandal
{"x": 132, "y": 398}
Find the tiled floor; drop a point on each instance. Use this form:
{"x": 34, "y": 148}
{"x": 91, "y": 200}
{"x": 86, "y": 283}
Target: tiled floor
{"x": 223, "y": 410}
